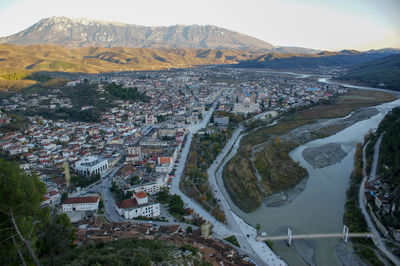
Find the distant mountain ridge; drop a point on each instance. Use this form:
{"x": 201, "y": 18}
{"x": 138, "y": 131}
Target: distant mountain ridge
{"x": 344, "y": 58}
{"x": 85, "y": 32}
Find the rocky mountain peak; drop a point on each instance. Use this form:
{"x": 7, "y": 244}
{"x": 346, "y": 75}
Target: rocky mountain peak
{"x": 80, "y": 32}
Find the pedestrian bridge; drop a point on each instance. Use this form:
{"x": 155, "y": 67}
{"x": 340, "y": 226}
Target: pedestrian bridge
{"x": 345, "y": 235}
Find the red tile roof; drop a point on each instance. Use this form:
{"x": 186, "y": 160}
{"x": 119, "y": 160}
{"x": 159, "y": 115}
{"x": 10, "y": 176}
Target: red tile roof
{"x": 128, "y": 203}
{"x": 52, "y": 193}
{"x": 81, "y": 200}
{"x": 141, "y": 195}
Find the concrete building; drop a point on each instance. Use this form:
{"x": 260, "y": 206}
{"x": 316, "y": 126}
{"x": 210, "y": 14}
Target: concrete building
{"x": 152, "y": 142}
{"x": 150, "y": 187}
{"x": 91, "y": 165}
{"x": 134, "y": 150}
{"x": 81, "y": 204}
{"x": 247, "y": 106}
{"x": 137, "y": 206}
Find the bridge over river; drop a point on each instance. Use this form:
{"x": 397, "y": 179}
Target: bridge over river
{"x": 345, "y": 235}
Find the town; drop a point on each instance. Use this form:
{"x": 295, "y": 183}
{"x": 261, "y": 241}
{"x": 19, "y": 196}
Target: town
{"x": 118, "y": 156}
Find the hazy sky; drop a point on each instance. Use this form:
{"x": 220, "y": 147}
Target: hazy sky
{"x": 324, "y": 24}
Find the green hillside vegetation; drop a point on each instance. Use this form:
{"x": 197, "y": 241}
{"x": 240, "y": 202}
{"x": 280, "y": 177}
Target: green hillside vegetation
{"x": 278, "y": 170}
{"x": 389, "y": 162}
{"x": 119, "y": 92}
{"x": 389, "y": 157}
{"x": 83, "y": 94}
{"x": 382, "y": 73}
{"x": 28, "y": 232}
{"x": 203, "y": 151}
{"x": 127, "y": 252}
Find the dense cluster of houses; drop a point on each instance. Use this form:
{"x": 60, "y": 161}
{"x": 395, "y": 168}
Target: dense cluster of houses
{"x": 274, "y": 92}
{"x": 145, "y": 137}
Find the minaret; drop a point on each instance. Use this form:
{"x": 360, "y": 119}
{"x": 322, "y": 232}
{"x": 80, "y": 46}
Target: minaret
{"x": 67, "y": 174}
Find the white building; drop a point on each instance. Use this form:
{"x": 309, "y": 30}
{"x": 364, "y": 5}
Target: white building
{"x": 91, "y": 165}
{"x": 81, "y": 204}
{"x": 138, "y": 206}
{"x": 164, "y": 168}
{"x": 134, "y": 150}
{"x": 246, "y": 107}
{"x": 152, "y": 142}
{"x": 150, "y": 188}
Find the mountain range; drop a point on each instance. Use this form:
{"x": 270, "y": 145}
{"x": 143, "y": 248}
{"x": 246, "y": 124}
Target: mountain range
{"x": 344, "y": 58}
{"x": 381, "y": 73}
{"x": 90, "y": 46}
{"x": 85, "y": 32}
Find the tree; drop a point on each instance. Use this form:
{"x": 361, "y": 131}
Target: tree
{"x": 134, "y": 180}
{"x": 270, "y": 244}
{"x": 64, "y": 196}
{"x": 176, "y": 204}
{"x": 57, "y": 235}
{"x": 258, "y": 227}
{"x": 20, "y": 198}
{"x": 163, "y": 196}
{"x": 23, "y": 222}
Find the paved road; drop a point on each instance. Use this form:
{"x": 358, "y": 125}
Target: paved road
{"x": 378, "y": 240}
{"x": 235, "y": 225}
{"x": 245, "y": 234}
{"x": 376, "y": 157}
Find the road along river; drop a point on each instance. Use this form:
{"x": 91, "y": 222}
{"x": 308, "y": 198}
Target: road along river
{"x": 319, "y": 208}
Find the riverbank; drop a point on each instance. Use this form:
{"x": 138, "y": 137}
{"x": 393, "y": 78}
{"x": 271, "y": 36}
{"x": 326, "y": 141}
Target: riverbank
{"x": 353, "y": 217}
{"x": 240, "y": 176}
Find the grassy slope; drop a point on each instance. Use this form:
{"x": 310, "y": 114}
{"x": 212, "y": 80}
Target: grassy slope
{"x": 96, "y": 59}
{"x": 239, "y": 177}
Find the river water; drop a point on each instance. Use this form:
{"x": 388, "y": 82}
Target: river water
{"x": 320, "y": 207}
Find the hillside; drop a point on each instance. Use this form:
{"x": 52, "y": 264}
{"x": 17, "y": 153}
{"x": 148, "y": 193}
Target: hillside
{"x": 343, "y": 58}
{"x": 95, "y": 59}
{"x": 18, "y": 62}
{"x": 85, "y": 33}
{"x": 381, "y": 73}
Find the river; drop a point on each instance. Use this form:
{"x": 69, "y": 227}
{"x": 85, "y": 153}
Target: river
{"x": 319, "y": 208}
